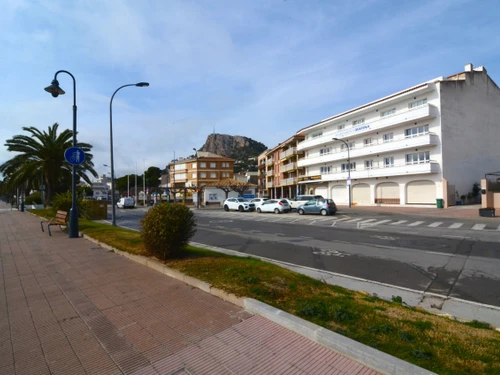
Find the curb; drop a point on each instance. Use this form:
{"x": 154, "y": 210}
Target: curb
{"x": 370, "y": 357}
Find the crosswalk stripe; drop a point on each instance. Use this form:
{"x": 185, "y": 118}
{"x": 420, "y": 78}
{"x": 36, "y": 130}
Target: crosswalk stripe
{"x": 380, "y": 222}
{"x": 436, "y": 224}
{"x": 367, "y": 221}
{"x": 457, "y": 225}
{"x": 352, "y": 220}
{"x": 498, "y": 228}
{"x": 399, "y": 222}
{"x": 415, "y": 223}
{"x": 478, "y": 226}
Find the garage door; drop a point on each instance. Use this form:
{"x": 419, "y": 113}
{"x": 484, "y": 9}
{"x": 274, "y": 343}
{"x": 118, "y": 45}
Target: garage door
{"x": 361, "y": 193}
{"x": 321, "y": 190}
{"x": 339, "y": 194}
{"x": 421, "y": 192}
{"x": 387, "y": 192}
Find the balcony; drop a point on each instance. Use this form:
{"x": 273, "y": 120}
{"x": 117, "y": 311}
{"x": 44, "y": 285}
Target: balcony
{"x": 288, "y": 167}
{"x": 269, "y": 185}
{"x": 261, "y": 166}
{"x": 270, "y": 171}
{"x": 396, "y": 170}
{"x": 289, "y": 181}
{"x": 270, "y": 162}
{"x": 290, "y": 152}
{"x": 427, "y": 111}
{"x": 398, "y": 143}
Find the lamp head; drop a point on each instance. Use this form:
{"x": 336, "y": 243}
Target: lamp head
{"x": 142, "y": 84}
{"x": 335, "y": 139}
{"x": 54, "y": 89}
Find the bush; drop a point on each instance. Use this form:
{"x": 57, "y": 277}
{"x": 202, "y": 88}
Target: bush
{"x": 63, "y": 202}
{"x": 166, "y": 230}
{"x": 34, "y": 198}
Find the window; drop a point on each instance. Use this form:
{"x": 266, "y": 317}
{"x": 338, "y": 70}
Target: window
{"x": 203, "y": 165}
{"x": 343, "y": 147}
{"x": 388, "y": 112}
{"x": 358, "y": 122}
{"x": 389, "y": 162}
{"x": 388, "y": 137}
{"x": 193, "y": 166}
{"x": 213, "y": 165}
{"x": 325, "y": 151}
{"x": 417, "y": 131}
{"x": 225, "y": 165}
{"x": 340, "y": 127}
{"x": 369, "y": 164}
{"x": 418, "y": 157}
{"x": 193, "y": 175}
{"x": 203, "y": 175}
{"x": 326, "y": 170}
{"x": 367, "y": 142}
{"x": 345, "y": 167}
{"x": 225, "y": 174}
{"x": 418, "y": 103}
{"x": 213, "y": 175}
{"x": 316, "y": 135}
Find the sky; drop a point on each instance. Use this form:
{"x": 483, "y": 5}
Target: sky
{"x": 263, "y": 69}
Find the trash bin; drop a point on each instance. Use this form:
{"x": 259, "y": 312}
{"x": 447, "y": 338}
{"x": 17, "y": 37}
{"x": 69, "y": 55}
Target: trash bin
{"x": 439, "y": 203}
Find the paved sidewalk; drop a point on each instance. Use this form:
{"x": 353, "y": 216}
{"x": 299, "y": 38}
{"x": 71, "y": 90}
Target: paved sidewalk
{"x": 68, "y": 306}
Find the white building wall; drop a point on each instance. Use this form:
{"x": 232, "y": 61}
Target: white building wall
{"x": 470, "y": 129}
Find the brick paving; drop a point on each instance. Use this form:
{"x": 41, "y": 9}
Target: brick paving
{"x": 68, "y": 306}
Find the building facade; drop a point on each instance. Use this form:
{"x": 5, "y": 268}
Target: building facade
{"x": 428, "y": 142}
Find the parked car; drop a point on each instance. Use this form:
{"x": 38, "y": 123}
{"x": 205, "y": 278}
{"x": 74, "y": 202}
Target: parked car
{"x": 302, "y": 199}
{"x": 318, "y": 206}
{"x": 238, "y": 204}
{"x": 258, "y": 201}
{"x": 126, "y": 202}
{"x": 277, "y": 206}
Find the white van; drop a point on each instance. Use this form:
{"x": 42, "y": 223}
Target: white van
{"x": 302, "y": 199}
{"x": 126, "y": 202}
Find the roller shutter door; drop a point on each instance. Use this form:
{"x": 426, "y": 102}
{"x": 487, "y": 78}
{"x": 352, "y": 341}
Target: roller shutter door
{"x": 321, "y": 190}
{"x": 361, "y": 193}
{"x": 387, "y": 192}
{"x": 339, "y": 194}
{"x": 421, "y": 192}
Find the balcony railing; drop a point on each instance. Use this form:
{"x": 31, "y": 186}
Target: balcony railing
{"x": 398, "y": 143}
{"x": 288, "y": 153}
{"x": 270, "y": 171}
{"x": 269, "y": 185}
{"x": 288, "y": 181}
{"x": 270, "y": 162}
{"x": 426, "y": 111}
{"x": 288, "y": 167}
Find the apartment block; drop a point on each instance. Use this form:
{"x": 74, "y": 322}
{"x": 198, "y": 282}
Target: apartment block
{"x": 430, "y": 141}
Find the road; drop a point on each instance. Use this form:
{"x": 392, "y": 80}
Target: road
{"x": 420, "y": 253}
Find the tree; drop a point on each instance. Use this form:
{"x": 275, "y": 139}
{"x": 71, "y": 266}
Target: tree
{"x": 41, "y": 156}
{"x": 153, "y": 175}
{"x": 228, "y": 185}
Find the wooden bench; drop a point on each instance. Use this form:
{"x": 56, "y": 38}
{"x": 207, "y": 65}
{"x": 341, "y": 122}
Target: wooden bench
{"x": 60, "y": 219}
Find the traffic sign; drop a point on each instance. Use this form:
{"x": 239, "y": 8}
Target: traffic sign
{"x": 74, "y": 155}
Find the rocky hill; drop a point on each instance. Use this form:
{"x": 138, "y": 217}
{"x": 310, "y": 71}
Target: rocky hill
{"x": 236, "y": 147}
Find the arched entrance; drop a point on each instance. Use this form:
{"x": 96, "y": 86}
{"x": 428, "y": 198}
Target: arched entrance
{"x": 421, "y": 192}
{"x": 388, "y": 193}
{"x": 339, "y": 194}
{"x": 361, "y": 194}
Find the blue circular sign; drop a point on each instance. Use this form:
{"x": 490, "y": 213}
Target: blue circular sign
{"x": 74, "y": 155}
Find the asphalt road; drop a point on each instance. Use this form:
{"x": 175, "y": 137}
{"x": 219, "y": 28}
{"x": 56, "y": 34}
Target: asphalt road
{"x": 460, "y": 262}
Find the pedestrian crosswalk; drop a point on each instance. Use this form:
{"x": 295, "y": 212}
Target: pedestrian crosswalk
{"x": 339, "y": 221}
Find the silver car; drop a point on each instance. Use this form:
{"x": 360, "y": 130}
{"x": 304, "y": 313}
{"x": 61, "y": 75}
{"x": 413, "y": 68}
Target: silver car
{"x": 277, "y": 206}
{"x": 318, "y": 206}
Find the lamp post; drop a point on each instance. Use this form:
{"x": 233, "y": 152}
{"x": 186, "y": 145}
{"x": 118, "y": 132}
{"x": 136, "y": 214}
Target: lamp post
{"x": 55, "y": 90}
{"x": 348, "y": 168}
{"x": 113, "y": 212}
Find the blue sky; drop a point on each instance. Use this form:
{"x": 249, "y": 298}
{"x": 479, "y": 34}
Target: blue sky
{"x": 257, "y": 68}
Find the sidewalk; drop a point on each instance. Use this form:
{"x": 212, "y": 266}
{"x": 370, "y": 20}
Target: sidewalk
{"x": 68, "y": 306}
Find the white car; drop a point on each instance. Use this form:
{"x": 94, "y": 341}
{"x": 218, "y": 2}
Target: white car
{"x": 258, "y": 201}
{"x": 277, "y": 206}
{"x": 126, "y": 202}
{"x": 238, "y": 204}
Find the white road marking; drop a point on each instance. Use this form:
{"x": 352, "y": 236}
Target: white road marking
{"x": 457, "y": 225}
{"x": 389, "y": 238}
{"x": 367, "y": 221}
{"x": 399, "y": 222}
{"x": 478, "y": 226}
{"x": 436, "y": 224}
{"x": 415, "y": 223}
{"x": 352, "y": 220}
{"x": 380, "y": 222}
{"x": 498, "y": 228}
{"x": 312, "y": 222}
{"x": 447, "y": 235}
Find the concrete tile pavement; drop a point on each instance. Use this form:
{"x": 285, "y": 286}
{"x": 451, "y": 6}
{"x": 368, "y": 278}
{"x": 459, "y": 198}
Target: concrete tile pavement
{"x": 68, "y": 306}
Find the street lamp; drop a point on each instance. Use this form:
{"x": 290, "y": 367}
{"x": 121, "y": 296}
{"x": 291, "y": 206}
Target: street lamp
{"x": 55, "y": 90}
{"x": 113, "y": 210}
{"x": 348, "y": 168}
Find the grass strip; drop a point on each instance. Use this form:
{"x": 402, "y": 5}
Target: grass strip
{"x": 444, "y": 346}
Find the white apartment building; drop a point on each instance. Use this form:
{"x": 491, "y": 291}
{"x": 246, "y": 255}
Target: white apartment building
{"x": 431, "y": 141}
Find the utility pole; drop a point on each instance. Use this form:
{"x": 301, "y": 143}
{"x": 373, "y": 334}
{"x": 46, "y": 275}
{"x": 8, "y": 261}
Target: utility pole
{"x": 135, "y": 191}
{"x": 144, "y": 184}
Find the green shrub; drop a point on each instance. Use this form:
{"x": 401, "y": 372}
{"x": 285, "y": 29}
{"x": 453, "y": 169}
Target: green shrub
{"x": 62, "y": 202}
{"x": 34, "y": 198}
{"x": 166, "y": 230}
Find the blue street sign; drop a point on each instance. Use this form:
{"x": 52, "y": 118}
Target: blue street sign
{"x": 74, "y": 155}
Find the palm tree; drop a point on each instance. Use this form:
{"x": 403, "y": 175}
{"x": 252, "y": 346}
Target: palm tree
{"x": 41, "y": 154}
